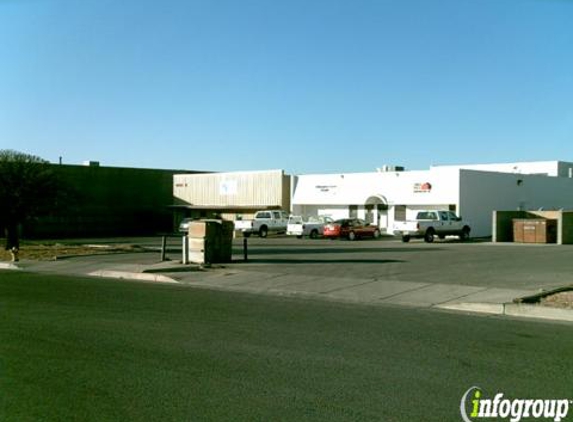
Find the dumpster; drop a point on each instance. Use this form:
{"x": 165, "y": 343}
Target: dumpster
{"x": 534, "y": 230}
{"x": 210, "y": 241}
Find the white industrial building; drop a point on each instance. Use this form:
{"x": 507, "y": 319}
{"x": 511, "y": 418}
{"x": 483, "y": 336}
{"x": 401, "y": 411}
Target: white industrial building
{"x": 473, "y": 191}
{"x": 384, "y": 196}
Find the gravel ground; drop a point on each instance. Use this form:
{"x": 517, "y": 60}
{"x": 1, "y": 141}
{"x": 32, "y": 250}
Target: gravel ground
{"x": 559, "y": 300}
{"x": 49, "y": 252}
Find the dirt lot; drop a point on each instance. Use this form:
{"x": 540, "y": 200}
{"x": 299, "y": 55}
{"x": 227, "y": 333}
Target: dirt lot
{"x": 559, "y": 300}
{"x": 52, "y": 251}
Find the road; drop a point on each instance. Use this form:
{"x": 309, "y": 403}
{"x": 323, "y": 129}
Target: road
{"x": 93, "y": 349}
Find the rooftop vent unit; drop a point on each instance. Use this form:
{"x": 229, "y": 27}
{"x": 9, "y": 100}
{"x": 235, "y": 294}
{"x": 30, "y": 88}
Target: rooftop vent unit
{"x": 386, "y": 168}
{"x": 91, "y": 163}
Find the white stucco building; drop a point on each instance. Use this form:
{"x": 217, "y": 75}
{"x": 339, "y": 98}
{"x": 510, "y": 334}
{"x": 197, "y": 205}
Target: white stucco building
{"x": 473, "y": 191}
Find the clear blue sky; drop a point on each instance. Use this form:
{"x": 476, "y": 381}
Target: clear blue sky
{"x": 305, "y": 85}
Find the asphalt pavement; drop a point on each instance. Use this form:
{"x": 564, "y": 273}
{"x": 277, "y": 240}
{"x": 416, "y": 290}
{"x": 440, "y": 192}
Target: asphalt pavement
{"x": 94, "y": 349}
{"x": 474, "y": 277}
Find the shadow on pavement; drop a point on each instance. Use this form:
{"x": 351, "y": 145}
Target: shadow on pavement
{"x": 256, "y": 250}
{"x": 316, "y": 261}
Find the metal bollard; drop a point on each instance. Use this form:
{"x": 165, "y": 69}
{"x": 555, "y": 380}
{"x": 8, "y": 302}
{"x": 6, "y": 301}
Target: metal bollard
{"x": 185, "y": 248}
{"x": 163, "y": 247}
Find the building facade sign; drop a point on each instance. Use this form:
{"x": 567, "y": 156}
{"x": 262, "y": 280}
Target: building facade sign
{"x": 327, "y": 188}
{"x": 425, "y": 187}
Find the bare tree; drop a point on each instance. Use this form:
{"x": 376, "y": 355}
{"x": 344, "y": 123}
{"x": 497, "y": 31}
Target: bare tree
{"x": 28, "y": 188}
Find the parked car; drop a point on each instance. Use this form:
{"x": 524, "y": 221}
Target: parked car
{"x": 350, "y": 228}
{"x": 429, "y": 224}
{"x": 263, "y": 223}
{"x": 312, "y": 227}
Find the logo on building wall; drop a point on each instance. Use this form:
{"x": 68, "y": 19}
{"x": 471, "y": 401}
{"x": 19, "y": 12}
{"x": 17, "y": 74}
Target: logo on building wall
{"x": 425, "y": 187}
{"x": 228, "y": 187}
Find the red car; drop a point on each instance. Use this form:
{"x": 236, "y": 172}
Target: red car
{"x": 350, "y": 228}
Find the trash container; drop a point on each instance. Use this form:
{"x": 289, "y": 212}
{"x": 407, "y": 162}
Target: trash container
{"x": 534, "y": 230}
{"x": 210, "y": 241}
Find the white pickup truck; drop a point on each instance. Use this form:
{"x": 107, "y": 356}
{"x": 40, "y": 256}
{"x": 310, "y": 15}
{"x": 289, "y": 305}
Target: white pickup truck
{"x": 313, "y": 227}
{"x": 429, "y": 224}
{"x": 264, "y": 222}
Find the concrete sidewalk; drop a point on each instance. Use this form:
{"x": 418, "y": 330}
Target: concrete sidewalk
{"x": 419, "y": 294}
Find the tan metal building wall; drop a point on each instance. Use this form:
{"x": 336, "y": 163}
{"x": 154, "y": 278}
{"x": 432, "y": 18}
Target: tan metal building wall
{"x": 233, "y": 191}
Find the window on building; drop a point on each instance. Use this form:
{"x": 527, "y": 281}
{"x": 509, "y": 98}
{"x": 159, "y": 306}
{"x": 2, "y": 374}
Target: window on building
{"x": 353, "y": 211}
{"x": 400, "y": 212}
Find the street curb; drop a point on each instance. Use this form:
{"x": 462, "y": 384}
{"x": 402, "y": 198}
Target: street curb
{"x": 512, "y": 309}
{"x": 126, "y": 275}
{"x": 538, "y": 311}
{"x": 9, "y": 266}
{"x": 483, "y": 308}
{"x": 180, "y": 269}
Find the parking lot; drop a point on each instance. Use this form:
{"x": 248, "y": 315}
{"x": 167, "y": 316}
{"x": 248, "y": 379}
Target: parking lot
{"x": 448, "y": 274}
{"x": 474, "y": 263}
